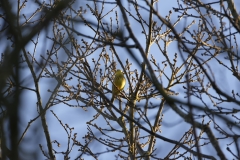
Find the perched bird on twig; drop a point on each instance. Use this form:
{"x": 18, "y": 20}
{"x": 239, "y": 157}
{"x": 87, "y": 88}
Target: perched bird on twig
{"x": 119, "y": 82}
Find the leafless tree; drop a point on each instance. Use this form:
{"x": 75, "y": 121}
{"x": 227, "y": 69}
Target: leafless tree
{"x": 58, "y": 59}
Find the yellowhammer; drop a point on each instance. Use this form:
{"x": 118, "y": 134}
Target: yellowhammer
{"x": 119, "y": 82}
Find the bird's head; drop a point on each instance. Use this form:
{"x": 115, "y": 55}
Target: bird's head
{"x": 119, "y": 71}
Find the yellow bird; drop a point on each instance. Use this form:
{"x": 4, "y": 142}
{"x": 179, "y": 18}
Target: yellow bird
{"x": 119, "y": 82}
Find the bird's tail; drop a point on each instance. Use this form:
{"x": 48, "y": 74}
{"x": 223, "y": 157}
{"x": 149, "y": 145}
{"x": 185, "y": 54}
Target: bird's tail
{"x": 112, "y": 100}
